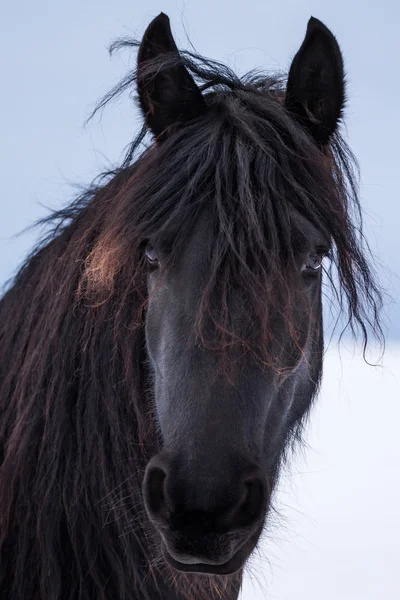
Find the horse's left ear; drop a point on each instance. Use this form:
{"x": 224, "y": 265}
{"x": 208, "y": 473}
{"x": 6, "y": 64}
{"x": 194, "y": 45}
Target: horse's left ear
{"x": 315, "y": 92}
{"x": 168, "y": 94}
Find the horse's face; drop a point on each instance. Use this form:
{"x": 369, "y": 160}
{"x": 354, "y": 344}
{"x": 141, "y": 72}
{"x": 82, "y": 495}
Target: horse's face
{"x": 209, "y": 489}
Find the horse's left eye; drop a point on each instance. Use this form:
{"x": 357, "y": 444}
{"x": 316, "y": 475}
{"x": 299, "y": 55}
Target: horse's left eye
{"x": 313, "y": 262}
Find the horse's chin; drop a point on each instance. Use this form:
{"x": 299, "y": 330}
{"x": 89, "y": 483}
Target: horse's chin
{"x": 221, "y": 567}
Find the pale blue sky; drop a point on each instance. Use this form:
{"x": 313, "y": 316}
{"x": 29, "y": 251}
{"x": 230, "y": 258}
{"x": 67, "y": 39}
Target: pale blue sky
{"x": 54, "y": 66}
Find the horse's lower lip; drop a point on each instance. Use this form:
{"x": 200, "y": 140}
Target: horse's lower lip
{"x": 227, "y": 568}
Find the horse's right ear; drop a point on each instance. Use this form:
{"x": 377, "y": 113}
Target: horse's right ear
{"x": 168, "y": 94}
{"x": 315, "y": 92}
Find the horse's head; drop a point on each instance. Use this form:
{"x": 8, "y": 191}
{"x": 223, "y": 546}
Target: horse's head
{"x": 245, "y": 204}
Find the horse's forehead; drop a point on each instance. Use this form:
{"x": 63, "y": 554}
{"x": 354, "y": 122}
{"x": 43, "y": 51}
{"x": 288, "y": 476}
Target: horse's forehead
{"x": 193, "y": 260}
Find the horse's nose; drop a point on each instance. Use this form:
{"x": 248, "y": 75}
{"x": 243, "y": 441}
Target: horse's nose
{"x": 182, "y": 500}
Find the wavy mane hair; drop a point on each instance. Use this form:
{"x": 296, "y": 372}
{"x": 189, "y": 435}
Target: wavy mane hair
{"x": 76, "y": 415}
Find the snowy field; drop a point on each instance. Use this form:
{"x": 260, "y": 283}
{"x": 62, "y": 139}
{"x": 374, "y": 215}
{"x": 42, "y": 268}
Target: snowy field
{"x": 337, "y": 535}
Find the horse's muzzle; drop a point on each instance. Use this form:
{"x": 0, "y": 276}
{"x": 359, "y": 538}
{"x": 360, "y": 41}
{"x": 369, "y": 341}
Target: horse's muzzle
{"x": 208, "y": 524}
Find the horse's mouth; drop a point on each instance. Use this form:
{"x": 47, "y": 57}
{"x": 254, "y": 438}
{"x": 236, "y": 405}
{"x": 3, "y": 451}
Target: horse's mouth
{"x": 227, "y": 568}
{"x": 220, "y": 567}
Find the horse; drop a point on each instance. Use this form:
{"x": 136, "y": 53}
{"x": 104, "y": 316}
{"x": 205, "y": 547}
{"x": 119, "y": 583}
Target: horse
{"x": 162, "y": 346}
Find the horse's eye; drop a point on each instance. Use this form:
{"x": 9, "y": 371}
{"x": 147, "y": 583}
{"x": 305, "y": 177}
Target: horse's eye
{"x": 151, "y": 255}
{"x": 313, "y": 262}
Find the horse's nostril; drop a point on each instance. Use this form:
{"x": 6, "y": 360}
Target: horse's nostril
{"x": 183, "y": 503}
{"x": 154, "y": 490}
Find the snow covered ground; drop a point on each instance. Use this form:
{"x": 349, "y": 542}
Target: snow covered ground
{"x": 337, "y": 535}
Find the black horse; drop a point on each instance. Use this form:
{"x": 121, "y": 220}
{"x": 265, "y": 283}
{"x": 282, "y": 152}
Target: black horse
{"x": 161, "y": 348}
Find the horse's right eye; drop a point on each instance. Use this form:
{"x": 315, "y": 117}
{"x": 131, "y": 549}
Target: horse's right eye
{"x": 151, "y": 256}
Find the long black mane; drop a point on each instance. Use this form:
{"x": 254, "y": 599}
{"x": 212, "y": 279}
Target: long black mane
{"x": 76, "y": 423}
